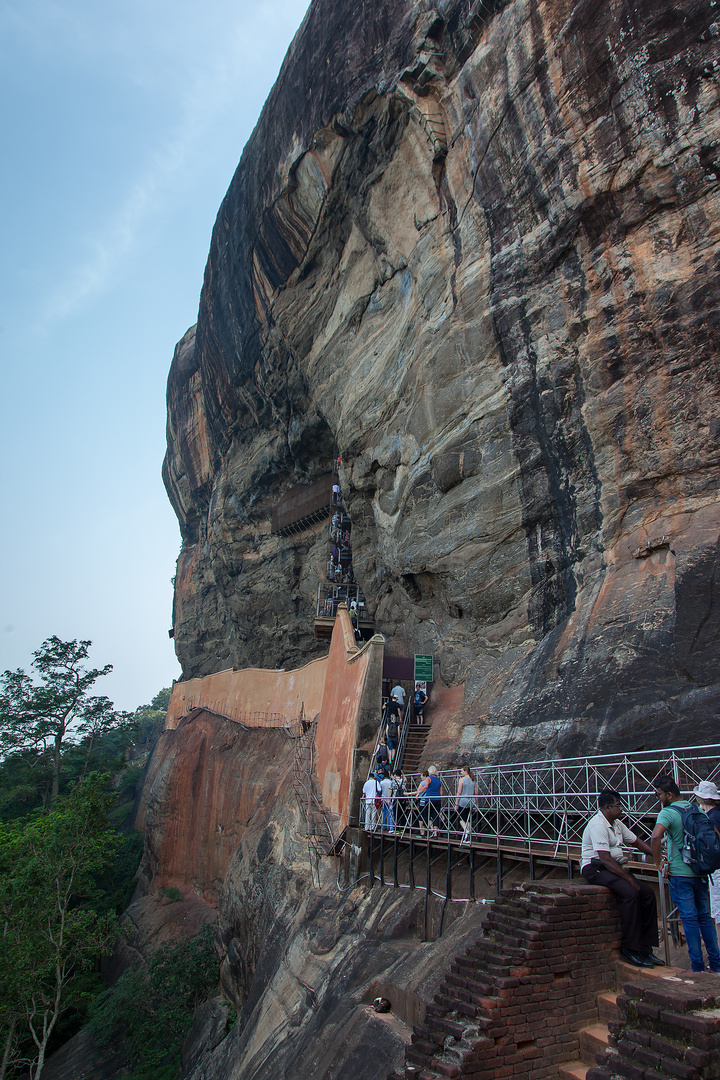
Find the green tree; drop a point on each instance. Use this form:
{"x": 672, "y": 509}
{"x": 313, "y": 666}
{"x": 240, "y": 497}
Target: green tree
{"x": 150, "y": 719}
{"x": 50, "y": 865}
{"x": 160, "y": 996}
{"x": 40, "y": 716}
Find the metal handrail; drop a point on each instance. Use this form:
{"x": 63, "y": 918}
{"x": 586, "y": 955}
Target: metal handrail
{"x": 381, "y": 729}
{"x": 404, "y": 732}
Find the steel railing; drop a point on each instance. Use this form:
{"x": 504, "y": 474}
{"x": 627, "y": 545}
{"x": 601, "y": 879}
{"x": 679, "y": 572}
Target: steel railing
{"x": 539, "y": 809}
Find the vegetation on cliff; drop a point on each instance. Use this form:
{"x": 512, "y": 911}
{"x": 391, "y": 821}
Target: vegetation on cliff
{"x": 66, "y": 871}
{"x": 161, "y": 996}
{"x": 55, "y": 917}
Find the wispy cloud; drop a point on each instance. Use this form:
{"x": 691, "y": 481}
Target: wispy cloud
{"x": 216, "y": 62}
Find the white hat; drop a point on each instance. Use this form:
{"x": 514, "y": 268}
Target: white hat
{"x": 707, "y": 790}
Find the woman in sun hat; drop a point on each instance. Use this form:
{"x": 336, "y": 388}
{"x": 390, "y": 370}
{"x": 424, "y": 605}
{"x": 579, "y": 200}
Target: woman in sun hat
{"x": 708, "y": 797}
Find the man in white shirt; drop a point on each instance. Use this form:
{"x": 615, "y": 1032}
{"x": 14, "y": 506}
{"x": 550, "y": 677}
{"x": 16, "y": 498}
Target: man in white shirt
{"x": 602, "y": 864}
{"x": 399, "y": 694}
{"x": 371, "y": 792}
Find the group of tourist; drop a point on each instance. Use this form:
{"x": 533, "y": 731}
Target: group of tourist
{"x": 695, "y": 894}
{"x": 339, "y": 567}
{"x": 390, "y": 805}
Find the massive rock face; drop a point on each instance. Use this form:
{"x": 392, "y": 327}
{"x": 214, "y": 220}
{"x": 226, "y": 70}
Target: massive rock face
{"x": 474, "y": 247}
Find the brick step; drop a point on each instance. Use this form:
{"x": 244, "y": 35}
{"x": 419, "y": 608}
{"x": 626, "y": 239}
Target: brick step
{"x": 573, "y": 1070}
{"x": 607, "y": 1006}
{"x": 630, "y": 973}
{"x": 593, "y": 1040}
{"x": 458, "y": 977}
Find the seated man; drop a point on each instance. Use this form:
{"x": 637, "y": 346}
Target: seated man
{"x": 602, "y": 864}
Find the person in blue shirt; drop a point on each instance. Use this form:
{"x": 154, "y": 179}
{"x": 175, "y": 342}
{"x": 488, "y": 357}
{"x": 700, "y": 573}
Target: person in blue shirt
{"x": 688, "y": 890}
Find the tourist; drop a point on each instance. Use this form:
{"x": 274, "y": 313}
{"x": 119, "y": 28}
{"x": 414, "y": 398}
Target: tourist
{"x": 386, "y": 788}
{"x": 688, "y": 890}
{"x": 420, "y": 702}
{"x": 602, "y": 863}
{"x": 393, "y": 735}
{"x": 400, "y": 809}
{"x": 393, "y": 709}
{"x": 382, "y": 758}
{"x": 371, "y": 792}
{"x": 429, "y": 799}
{"x": 398, "y": 692}
{"x": 708, "y": 797}
{"x": 465, "y": 801}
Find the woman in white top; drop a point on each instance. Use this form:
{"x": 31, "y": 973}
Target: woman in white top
{"x": 465, "y": 800}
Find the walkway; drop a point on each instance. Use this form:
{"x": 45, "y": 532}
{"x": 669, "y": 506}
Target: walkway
{"x": 530, "y": 812}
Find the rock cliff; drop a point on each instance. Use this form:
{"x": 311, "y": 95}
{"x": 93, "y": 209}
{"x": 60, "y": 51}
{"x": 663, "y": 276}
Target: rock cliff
{"x": 473, "y": 246}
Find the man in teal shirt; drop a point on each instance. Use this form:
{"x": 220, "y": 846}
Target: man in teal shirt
{"x": 689, "y": 891}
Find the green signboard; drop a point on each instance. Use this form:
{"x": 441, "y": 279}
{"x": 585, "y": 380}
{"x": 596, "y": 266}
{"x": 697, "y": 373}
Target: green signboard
{"x": 423, "y": 668}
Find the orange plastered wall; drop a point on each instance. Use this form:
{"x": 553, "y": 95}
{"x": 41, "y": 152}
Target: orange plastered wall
{"x": 335, "y": 738}
{"x": 252, "y": 690}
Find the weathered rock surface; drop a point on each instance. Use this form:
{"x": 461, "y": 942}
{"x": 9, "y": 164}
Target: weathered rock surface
{"x": 475, "y": 247}
{"x": 302, "y": 958}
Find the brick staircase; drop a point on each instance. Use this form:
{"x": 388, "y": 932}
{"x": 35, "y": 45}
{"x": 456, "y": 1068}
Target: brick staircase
{"x": 414, "y": 747}
{"x": 513, "y": 1003}
{"x": 594, "y": 1039}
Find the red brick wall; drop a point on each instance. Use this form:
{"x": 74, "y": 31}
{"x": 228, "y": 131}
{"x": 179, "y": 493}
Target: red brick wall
{"x": 668, "y": 1029}
{"x": 511, "y": 1006}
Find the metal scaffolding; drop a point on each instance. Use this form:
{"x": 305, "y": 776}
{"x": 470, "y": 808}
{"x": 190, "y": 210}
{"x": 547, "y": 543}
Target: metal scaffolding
{"x": 530, "y": 812}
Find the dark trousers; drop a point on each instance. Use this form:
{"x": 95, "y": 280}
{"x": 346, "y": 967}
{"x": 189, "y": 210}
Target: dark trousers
{"x": 638, "y": 911}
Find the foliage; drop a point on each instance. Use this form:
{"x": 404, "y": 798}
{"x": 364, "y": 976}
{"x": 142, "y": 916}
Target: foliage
{"x": 171, "y": 892}
{"x": 160, "y": 996}
{"x": 50, "y": 865}
{"x": 150, "y": 719}
{"x": 37, "y": 718}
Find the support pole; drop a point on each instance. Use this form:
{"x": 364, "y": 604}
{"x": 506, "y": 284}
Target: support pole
{"x": 395, "y": 862}
{"x": 663, "y": 916}
{"x": 411, "y": 868}
{"x": 428, "y": 877}
{"x": 382, "y": 856}
{"x": 499, "y": 876}
{"x": 371, "y": 866}
{"x": 471, "y": 868}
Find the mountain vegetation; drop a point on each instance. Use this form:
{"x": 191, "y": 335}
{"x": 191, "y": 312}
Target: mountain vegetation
{"x": 69, "y": 766}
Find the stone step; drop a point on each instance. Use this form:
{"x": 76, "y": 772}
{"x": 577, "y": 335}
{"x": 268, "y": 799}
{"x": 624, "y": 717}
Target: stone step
{"x": 607, "y": 1006}
{"x": 593, "y": 1040}
{"x": 573, "y": 1070}
{"x": 630, "y": 973}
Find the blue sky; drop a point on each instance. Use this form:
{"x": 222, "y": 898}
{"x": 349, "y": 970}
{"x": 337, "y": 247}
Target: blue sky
{"x": 122, "y": 124}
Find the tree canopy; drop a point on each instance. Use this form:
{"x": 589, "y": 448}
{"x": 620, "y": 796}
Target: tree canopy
{"x": 50, "y": 867}
{"x": 39, "y": 714}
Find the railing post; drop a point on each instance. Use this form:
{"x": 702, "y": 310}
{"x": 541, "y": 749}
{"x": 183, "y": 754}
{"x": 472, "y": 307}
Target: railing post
{"x": 371, "y": 867}
{"x": 382, "y": 853}
{"x": 428, "y": 878}
{"x": 663, "y": 916}
{"x": 411, "y": 868}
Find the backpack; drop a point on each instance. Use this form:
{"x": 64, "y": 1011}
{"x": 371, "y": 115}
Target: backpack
{"x": 701, "y": 845}
{"x": 392, "y": 729}
{"x": 378, "y": 794}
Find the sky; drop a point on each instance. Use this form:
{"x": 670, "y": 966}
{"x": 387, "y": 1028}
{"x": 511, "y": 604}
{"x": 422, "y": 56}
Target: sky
{"x": 121, "y": 124}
